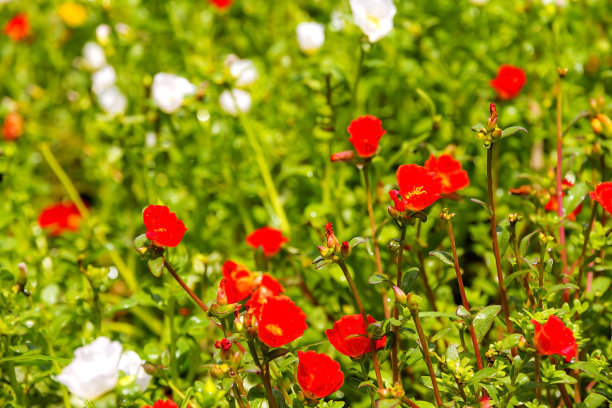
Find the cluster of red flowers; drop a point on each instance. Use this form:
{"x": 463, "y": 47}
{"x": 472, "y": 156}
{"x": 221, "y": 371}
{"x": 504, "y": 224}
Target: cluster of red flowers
{"x": 553, "y": 203}
{"x": 18, "y": 27}
{"x": 60, "y": 218}
{"x": 554, "y": 338}
{"x": 269, "y": 239}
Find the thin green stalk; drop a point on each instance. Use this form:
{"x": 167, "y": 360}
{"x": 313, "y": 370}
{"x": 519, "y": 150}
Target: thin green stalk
{"x": 428, "y": 291}
{"x": 414, "y": 312}
{"x": 172, "y": 346}
{"x": 265, "y": 378}
{"x": 395, "y": 349}
{"x": 379, "y": 269}
{"x": 10, "y": 369}
{"x": 519, "y": 260}
{"x": 357, "y": 299}
{"x": 265, "y": 174}
{"x": 366, "y": 377}
{"x": 587, "y": 234}
{"x": 451, "y": 236}
{"x": 493, "y": 221}
{"x": 538, "y": 380}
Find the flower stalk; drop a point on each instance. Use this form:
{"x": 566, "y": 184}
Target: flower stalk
{"x": 395, "y": 350}
{"x": 447, "y": 216}
{"x": 587, "y": 235}
{"x": 265, "y": 378}
{"x": 357, "y": 299}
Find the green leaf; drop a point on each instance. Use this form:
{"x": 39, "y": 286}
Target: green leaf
{"x": 485, "y": 205}
{"x": 463, "y": 312}
{"x": 503, "y": 236}
{"x": 594, "y": 400}
{"x": 377, "y": 278}
{"x": 525, "y": 242}
{"x": 452, "y": 356}
{"x": 441, "y": 333}
{"x": 356, "y": 241}
{"x": 33, "y": 357}
{"x": 512, "y": 130}
{"x": 141, "y": 241}
{"x": 481, "y": 375}
{"x": 561, "y": 286}
{"x": 477, "y": 128}
{"x": 156, "y": 266}
{"x": 256, "y": 393}
{"x": 408, "y": 279}
{"x": 508, "y": 279}
{"x": 443, "y": 256}
{"x": 574, "y": 197}
{"x": 438, "y": 314}
{"x": 484, "y": 319}
{"x": 6, "y": 275}
{"x": 388, "y": 403}
{"x": 274, "y": 354}
{"x": 424, "y": 404}
{"x": 510, "y": 341}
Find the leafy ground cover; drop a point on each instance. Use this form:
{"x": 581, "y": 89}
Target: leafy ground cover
{"x": 312, "y": 203}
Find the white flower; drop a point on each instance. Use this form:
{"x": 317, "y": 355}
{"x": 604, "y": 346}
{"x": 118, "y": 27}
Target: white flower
{"x": 558, "y": 3}
{"x": 169, "y": 91}
{"x": 479, "y": 2}
{"x": 103, "y": 79}
{"x": 242, "y": 70}
{"x": 103, "y": 32}
{"x": 112, "y": 101}
{"x": 374, "y": 17}
{"x": 310, "y": 37}
{"x": 93, "y": 371}
{"x": 131, "y": 365}
{"x": 235, "y": 101}
{"x": 94, "y": 56}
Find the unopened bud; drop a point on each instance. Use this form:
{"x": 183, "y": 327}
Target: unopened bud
{"x": 446, "y": 215}
{"x": 383, "y": 392}
{"x": 150, "y": 369}
{"x": 218, "y": 371}
{"x": 514, "y": 218}
{"x": 332, "y": 241}
{"x": 413, "y": 302}
{"x": 400, "y": 297}
{"x": 393, "y": 212}
{"x": 596, "y": 148}
{"x": 221, "y": 296}
{"x": 324, "y": 251}
{"x": 345, "y": 249}
{"x": 605, "y": 120}
{"x": 522, "y": 344}
{"x": 562, "y": 72}
{"x": 492, "y": 122}
{"x": 596, "y": 125}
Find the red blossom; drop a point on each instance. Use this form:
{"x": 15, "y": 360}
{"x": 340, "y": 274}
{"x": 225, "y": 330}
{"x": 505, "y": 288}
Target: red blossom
{"x": 366, "y": 132}
{"x": 18, "y": 27}
{"x": 603, "y": 195}
{"x": 12, "y": 127}
{"x": 281, "y": 321}
{"x": 318, "y": 374}
{"x": 269, "y": 239}
{"x": 554, "y": 338}
{"x": 224, "y": 344}
{"x": 163, "y": 227}
{"x": 509, "y": 81}
{"x": 59, "y": 218}
{"x": 238, "y": 282}
{"x": 222, "y": 4}
{"x": 453, "y": 176}
{"x": 345, "y": 155}
{"x": 163, "y": 404}
{"x": 418, "y": 187}
{"x": 553, "y": 203}
{"x": 348, "y": 336}
{"x": 267, "y": 287}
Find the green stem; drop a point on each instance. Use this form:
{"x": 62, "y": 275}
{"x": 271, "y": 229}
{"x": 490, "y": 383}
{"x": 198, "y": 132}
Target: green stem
{"x": 379, "y": 269}
{"x": 264, "y": 374}
{"x": 366, "y": 377}
{"x": 451, "y": 237}
{"x": 519, "y": 262}
{"x": 266, "y": 175}
{"x": 395, "y": 349}
{"x": 587, "y": 234}
{"x": 172, "y": 346}
{"x": 559, "y": 174}
{"x": 353, "y": 288}
{"x": 498, "y": 266}
{"x": 10, "y": 369}
{"x": 537, "y": 378}
{"x": 414, "y": 312}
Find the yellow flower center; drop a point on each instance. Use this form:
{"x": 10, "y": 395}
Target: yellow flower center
{"x": 417, "y": 191}
{"x": 274, "y": 329}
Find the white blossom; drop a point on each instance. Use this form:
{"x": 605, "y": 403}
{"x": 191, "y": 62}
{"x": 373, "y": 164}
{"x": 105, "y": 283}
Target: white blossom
{"x": 310, "y": 37}
{"x": 93, "y": 372}
{"x": 94, "y": 56}
{"x": 235, "y": 101}
{"x": 103, "y": 32}
{"x": 169, "y": 91}
{"x": 374, "y": 17}
{"x": 132, "y": 365}
{"x": 112, "y": 101}
{"x": 243, "y": 71}
{"x": 103, "y": 79}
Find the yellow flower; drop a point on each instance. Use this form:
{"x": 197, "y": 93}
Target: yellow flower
{"x": 73, "y": 14}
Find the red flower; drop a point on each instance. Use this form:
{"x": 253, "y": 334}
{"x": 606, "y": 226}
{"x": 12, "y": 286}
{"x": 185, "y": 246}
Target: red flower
{"x": 238, "y": 281}
{"x": 553, "y": 204}
{"x": 554, "y": 338}
{"x": 318, "y": 374}
{"x": 366, "y": 132}
{"x": 18, "y": 27}
{"x": 163, "y": 404}
{"x": 281, "y": 321}
{"x": 163, "y": 227}
{"x": 453, "y": 177}
{"x": 418, "y": 187}
{"x": 59, "y": 218}
{"x": 603, "y": 195}
{"x": 267, "y": 287}
{"x": 224, "y": 344}
{"x": 348, "y": 336}
{"x": 269, "y": 239}
{"x": 509, "y": 82}
{"x": 222, "y": 4}
{"x": 12, "y": 128}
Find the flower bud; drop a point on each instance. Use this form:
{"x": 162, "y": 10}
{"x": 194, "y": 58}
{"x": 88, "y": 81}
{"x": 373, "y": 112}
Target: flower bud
{"x": 522, "y": 344}
{"x": 596, "y": 125}
{"x": 492, "y": 122}
{"x": 400, "y": 297}
{"x": 332, "y": 241}
{"x": 221, "y": 296}
{"x": 218, "y": 371}
{"x": 345, "y": 249}
{"x": 324, "y": 251}
{"x": 344, "y": 156}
